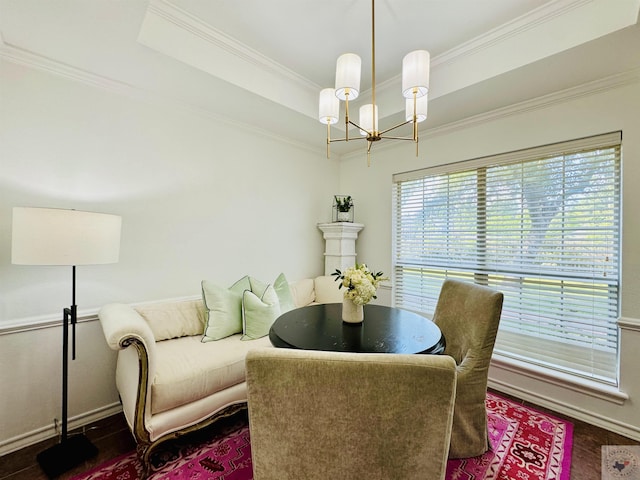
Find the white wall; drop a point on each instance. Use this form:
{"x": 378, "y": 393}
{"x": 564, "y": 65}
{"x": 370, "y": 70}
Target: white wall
{"x": 203, "y": 199}
{"x": 199, "y": 199}
{"x": 613, "y": 104}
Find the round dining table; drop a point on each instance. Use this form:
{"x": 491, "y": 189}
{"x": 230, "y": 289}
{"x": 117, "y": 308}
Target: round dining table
{"x": 384, "y": 330}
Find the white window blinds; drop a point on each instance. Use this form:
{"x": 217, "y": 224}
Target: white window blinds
{"x": 541, "y": 225}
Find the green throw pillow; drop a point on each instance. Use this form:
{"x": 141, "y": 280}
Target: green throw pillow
{"x": 223, "y": 309}
{"x": 281, "y": 286}
{"x": 259, "y": 313}
{"x": 258, "y": 287}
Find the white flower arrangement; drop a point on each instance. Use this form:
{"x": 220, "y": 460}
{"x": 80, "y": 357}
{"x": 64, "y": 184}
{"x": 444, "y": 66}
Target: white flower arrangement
{"x": 360, "y": 282}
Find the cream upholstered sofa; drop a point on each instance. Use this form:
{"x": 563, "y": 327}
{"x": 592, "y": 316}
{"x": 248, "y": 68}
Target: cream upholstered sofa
{"x": 170, "y": 378}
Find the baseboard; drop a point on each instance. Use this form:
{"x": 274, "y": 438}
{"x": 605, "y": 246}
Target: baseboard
{"x": 49, "y": 431}
{"x": 567, "y": 409}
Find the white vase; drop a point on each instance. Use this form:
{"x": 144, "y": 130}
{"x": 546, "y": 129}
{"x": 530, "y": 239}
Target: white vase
{"x": 352, "y": 313}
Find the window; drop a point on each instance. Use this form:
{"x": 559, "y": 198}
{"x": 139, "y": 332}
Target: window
{"x": 541, "y": 225}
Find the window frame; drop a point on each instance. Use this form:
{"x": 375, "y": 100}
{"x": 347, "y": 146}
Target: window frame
{"x": 609, "y": 375}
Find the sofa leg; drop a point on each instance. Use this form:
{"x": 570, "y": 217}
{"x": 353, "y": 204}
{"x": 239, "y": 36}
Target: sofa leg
{"x": 144, "y": 453}
{"x": 145, "y": 448}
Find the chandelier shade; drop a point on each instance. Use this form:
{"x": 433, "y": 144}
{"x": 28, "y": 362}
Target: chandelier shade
{"x": 415, "y": 74}
{"x": 329, "y": 107}
{"x": 348, "y": 76}
{"x": 368, "y": 119}
{"x": 421, "y": 105}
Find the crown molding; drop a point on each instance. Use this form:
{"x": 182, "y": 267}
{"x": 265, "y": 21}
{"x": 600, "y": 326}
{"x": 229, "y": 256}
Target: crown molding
{"x": 182, "y": 36}
{"x": 590, "y": 88}
{"x": 32, "y": 60}
{"x": 218, "y": 39}
{"x": 29, "y": 59}
{"x": 39, "y": 62}
{"x": 539, "y": 16}
{"x": 611, "y": 82}
{"x": 547, "y": 30}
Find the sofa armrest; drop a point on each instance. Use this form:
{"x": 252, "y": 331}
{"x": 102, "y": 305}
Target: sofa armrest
{"x": 322, "y": 289}
{"x": 302, "y": 292}
{"x": 125, "y": 330}
{"x": 327, "y": 290}
{"x": 121, "y": 323}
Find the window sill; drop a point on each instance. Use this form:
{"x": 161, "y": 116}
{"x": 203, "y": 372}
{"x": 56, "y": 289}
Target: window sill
{"x": 584, "y": 386}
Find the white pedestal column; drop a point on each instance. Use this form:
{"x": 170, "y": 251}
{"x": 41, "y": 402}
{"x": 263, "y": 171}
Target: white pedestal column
{"x": 340, "y": 245}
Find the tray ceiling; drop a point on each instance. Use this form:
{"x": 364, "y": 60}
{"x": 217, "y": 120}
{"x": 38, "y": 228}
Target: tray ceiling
{"x": 262, "y": 64}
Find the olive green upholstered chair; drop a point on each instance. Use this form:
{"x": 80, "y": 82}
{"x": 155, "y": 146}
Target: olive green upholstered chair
{"x": 328, "y": 415}
{"x": 468, "y": 315}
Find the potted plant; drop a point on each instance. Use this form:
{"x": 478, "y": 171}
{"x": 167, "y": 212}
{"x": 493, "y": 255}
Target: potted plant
{"x": 343, "y": 208}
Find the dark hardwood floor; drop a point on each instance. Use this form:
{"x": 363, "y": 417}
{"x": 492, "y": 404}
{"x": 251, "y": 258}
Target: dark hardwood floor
{"x": 112, "y": 438}
{"x": 111, "y": 435}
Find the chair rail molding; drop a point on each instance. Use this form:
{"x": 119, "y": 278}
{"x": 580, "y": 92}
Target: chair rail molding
{"x": 628, "y": 323}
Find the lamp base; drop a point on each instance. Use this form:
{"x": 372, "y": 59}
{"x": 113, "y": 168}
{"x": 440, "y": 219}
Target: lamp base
{"x": 66, "y": 455}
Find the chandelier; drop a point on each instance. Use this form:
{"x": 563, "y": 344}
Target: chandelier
{"x": 415, "y": 86}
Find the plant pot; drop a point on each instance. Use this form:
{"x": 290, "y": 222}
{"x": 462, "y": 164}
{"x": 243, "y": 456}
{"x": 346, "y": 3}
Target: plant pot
{"x": 344, "y": 216}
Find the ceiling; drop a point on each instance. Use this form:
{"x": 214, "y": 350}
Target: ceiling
{"x": 262, "y": 64}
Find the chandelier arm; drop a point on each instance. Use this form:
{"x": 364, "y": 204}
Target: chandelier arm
{"x": 415, "y": 117}
{"x": 346, "y": 115}
{"x": 359, "y": 127}
{"x": 344, "y": 139}
{"x": 397, "y": 138}
{"x": 328, "y": 139}
{"x": 394, "y": 127}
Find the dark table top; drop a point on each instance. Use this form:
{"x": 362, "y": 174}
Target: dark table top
{"x": 384, "y": 330}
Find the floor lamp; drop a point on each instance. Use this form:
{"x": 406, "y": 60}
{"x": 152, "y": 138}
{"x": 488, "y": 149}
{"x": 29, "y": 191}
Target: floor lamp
{"x": 47, "y": 236}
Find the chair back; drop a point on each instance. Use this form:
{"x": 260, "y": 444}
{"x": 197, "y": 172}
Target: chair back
{"x": 468, "y": 315}
{"x": 319, "y": 415}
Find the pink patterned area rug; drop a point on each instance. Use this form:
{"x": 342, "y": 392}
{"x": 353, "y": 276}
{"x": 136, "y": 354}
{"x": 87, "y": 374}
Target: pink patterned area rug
{"x": 526, "y": 444}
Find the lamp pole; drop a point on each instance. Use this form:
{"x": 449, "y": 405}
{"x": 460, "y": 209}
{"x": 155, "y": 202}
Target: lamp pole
{"x": 70, "y": 451}
{"x": 70, "y": 315}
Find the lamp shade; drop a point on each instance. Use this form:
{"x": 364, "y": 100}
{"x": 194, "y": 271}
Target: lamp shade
{"x": 421, "y": 109}
{"x": 368, "y": 119}
{"x": 48, "y": 236}
{"x": 329, "y": 107}
{"x": 415, "y": 73}
{"x": 348, "y": 76}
